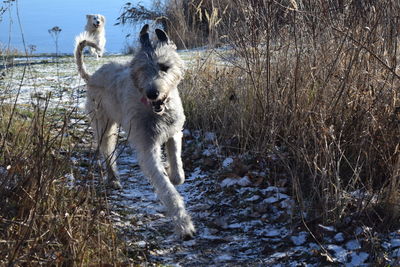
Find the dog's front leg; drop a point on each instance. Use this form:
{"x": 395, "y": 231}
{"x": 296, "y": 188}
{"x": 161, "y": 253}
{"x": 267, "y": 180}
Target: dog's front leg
{"x": 106, "y": 133}
{"x": 174, "y": 150}
{"x": 152, "y": 167}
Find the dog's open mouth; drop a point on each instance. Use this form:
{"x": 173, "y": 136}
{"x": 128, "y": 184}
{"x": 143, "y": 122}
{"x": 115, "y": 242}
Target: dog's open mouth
{"x": 96, "y": 25}
{"x": 159, "y": 105}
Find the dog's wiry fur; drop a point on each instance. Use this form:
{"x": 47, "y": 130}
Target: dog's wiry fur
{"x": 143, "y": 98}
{"x": 95, "y": 27}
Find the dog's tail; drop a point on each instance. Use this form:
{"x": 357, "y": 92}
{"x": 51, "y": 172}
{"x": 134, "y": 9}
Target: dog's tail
{"x": 81, "y": 41}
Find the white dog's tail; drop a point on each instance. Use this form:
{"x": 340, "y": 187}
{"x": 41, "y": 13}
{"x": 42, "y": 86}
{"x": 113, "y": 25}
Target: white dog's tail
{"x": 81, "y": 41}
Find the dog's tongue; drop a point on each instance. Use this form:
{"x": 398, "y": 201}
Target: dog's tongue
{"x": 144, "y": 101}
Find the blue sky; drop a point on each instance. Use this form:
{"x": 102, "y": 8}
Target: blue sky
{"x": 38, "y": 16}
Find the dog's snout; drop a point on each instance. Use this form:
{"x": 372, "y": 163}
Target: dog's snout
{"x": 152, "y": 93}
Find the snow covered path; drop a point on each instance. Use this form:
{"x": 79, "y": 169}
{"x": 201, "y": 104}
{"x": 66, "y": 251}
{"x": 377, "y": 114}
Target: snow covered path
{"x": 238, "y": 224}
{"x": 229, "y": 231}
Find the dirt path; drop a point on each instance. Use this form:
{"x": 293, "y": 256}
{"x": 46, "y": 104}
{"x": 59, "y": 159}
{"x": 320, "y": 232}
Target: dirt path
{"x": 229, "y": 230}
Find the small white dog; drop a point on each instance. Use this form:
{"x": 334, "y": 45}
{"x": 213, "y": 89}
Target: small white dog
{"x": 95, "y": 27}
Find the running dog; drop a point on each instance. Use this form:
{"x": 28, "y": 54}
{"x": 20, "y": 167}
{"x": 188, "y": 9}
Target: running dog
{"x": 142, "y": 97}
{"x": 95, "y": 27}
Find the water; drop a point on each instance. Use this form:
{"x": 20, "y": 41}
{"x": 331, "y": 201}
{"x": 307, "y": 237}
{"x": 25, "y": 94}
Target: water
{"x": 38, "y": 16}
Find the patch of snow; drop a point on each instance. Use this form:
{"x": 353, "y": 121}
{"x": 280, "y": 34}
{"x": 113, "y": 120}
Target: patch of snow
{"x": 208, "y": 234}
{"x": 209, "y": 136}
{"x": 245, "y": 190}
{"x": 3, "y": 171}
{"x": 197, "y": 173}
{"x": 244, "y": 181}
{"x": 272, "y": 233}
{"x": 395, "y": 243}
{"x": 189, "y": 243}
{"x": 363, "y": 195}
{"x": 353, "y": 245}
{"x": 211, "y": 237}
{"x": 81, "y": 106}
{"x": 340, "y": 254}
{"x": 276, "y": 198}
{"x": 70, "y": 179}
{"x": 359, "y": 231}
{"x": 253, "y": 198}
{"x": 227, "y": 162}
{"x": 287, "y": 204}
{"x": 327, "y": 228}
{"x": 300, "y": 239}
{"x": 358, "y": 193}
{"x": 206, "y": 153}
{"x": 227, "y": 182}
{"x": 140, "y": 244}
{"x": 339, "y": 237}
{"x": 235, "y": 226}
{"x": 357, "y": 259}
{"x": 273, "y": 189}
{"x": 186, "y": 133}
{"x": 224, "y": 257}
{"x": 396, "y": 253}
{"x": 386, "y": 245}
{"x": 313, "y": 246}
{"x": 74, "y": 160}
{"x": 210, "y": 151}
{"x": 278, "y": 255}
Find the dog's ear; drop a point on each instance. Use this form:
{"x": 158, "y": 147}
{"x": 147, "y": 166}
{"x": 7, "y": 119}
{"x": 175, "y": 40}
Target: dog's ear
{"x": 144, "y": 37}
{"x": 88, "y": 16}
{"x": 162, "y": 36}
{"x": 144, "y": 30}
{"x": 102, "y": 18}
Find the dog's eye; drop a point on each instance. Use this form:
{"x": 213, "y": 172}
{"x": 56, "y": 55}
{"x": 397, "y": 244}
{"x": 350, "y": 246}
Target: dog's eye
{"x": 163, "y": 67}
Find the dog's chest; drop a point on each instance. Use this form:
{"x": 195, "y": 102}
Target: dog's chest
{"x": 162, "y": 126}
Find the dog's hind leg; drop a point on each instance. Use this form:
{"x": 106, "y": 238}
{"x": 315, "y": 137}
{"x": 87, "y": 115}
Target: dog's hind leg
{"x": 149, "y": 156}
{"x": 174, "y": 149}
{"x": 106, "y": 133}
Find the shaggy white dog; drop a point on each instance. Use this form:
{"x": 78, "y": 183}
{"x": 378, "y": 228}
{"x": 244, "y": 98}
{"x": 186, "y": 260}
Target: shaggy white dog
{"x": 142, "y": 97}
{"x": 95, "y": 27}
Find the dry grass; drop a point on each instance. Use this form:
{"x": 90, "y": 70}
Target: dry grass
{"x": 319, "y": 82}
{"x": 44, "y": 219}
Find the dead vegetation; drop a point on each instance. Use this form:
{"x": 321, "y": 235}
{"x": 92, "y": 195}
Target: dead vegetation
{"x": 315, "y": 79}
{"x": 50, "y": 212}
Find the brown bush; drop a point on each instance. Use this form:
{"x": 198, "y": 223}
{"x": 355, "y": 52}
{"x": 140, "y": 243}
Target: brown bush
{"x": 320, "y": 81}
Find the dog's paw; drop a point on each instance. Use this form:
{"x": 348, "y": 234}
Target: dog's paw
{"x": 185, "y": 228}
{"x": 189, "y": 235}
{"x": 177, "y": 177}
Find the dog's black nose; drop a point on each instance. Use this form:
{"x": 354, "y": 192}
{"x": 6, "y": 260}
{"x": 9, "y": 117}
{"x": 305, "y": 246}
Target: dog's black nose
{"x": 152, "y": 93}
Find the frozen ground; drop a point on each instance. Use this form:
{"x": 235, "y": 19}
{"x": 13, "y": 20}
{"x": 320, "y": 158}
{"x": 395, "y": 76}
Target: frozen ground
{"x": 238, "y": 222}
{"x": 242, "y": 218}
